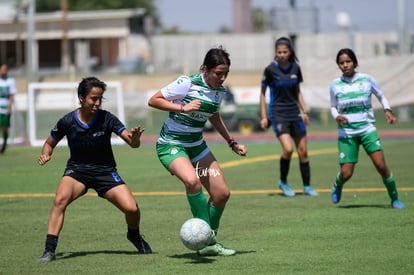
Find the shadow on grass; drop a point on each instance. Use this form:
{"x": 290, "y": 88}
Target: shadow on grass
{"x": 364, "y": 206}
{"x": 68, "y": 255}
{"x": 197, "y": 259}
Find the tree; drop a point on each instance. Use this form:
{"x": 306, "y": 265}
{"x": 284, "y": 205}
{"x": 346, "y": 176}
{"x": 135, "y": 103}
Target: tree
{"x": 259, "y": 20}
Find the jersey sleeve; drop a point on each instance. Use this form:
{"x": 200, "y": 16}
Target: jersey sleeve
{"x": 177, "y": 89}
{"x": 59, "y": 131}
{"x": 115, "y": 124}
{"x": 375, "y": 89}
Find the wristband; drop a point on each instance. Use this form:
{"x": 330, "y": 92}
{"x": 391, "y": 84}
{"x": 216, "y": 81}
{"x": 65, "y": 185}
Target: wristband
{"x": 182, "y": 108}
{"x": 232, "y": 143}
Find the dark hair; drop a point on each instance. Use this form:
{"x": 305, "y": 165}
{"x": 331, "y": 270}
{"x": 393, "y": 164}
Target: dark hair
{"x": 214, "y": 57}
{"x": 286, "y": 41}
{"x": 86, "y": 85}
{"x": 349, "y": 53}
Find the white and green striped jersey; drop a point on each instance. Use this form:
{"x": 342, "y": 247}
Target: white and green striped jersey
{"x": 351, "y": 97}
{"x": 7, "y": 88}
{"x": 186, "y": 129}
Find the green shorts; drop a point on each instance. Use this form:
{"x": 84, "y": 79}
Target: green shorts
{"x": 348, "y": 148}
{"x": 4, "y": 120}
{"x": 169, "y": 152}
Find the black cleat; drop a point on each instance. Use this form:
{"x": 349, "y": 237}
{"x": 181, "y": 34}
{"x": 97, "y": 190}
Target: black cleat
{"x": 142, "y": 246}
{"x": 47, "y": 256}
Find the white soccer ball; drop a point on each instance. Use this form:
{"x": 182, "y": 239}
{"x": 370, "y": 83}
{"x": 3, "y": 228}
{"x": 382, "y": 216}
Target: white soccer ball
{"x": 195, "y": 234}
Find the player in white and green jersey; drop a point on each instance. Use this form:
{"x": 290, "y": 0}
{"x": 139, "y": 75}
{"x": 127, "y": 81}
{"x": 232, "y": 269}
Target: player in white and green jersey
{"x": 191, "y": 101}
{"x": 351, "y": 107}
{"x": 7, "y": 92}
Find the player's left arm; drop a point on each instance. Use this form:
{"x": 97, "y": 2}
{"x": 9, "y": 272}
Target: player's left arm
{"x": 303, "y": 108}
{"x": 389, "y": 116}
{"x": 133, "y": 137}
{"x": 217, "y": 121}
{"x": 9, "y": 107}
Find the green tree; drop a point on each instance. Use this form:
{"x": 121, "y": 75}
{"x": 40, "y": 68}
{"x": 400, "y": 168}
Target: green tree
{"x": 259, "y": 20}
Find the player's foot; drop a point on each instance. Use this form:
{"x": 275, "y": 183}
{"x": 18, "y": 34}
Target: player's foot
{"x": 47, "y": 256}
{"x": 216, "y": 250}
{"x": 308, "y": 190}
{"x": 336, "y": 194}
{"x": 286, "y": 189}
{"x": 397, "y": 204}
{"x": 142, "y": 246}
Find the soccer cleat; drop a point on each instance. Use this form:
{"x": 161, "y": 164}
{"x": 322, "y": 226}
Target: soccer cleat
{"x": 47, "y": 256}
{"x": 286, "y": 189}
{"x": 308, "y": 190}
{"x": 142, "y": 246}
{"x": 216, "y": 250}
{"x": 397, "y": 204}
{"x": 336, "y": 194}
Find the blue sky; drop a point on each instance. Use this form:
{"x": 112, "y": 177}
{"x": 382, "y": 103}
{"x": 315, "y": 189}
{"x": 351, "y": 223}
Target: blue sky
{"x": 208, "y": 16}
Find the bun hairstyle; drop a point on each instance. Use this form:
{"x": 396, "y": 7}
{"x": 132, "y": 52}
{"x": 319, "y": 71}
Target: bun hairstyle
{"x": 286, "y": 41}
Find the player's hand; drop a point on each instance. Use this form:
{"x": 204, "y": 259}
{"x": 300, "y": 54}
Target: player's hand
{"x": 43, "y": 159}
{"x": 389, "y": 116}
{"x": 194, "y": 105}
{"x": 136, "y": 132}
{"x": 240, "y": 149}
{"x": 341, "y": 119}
{"x": 264, "y": 123}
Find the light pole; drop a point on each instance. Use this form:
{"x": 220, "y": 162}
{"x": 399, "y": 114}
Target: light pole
{"x": 344, "y": 21}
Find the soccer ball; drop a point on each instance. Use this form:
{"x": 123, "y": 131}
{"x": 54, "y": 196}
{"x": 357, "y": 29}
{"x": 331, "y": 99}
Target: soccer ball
{"x": 195, "y": 234}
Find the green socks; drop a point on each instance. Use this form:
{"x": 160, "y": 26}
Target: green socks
{"x": 391, "y": 188}
{"x": 215, "y": 216}
{"x": 338, "y": 182}
{"x": 199, "y": 206}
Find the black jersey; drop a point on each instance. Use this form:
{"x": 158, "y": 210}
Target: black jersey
{"x": 283, "y": 84}
{"x": 89, "y": 144}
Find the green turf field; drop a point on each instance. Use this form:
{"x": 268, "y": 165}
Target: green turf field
{"x": 271, "y": 233}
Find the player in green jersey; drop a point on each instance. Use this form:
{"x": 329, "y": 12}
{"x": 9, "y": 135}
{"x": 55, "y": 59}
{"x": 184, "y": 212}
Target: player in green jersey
{"x": 191, "y": 101}
{"x": 351, "y": 107}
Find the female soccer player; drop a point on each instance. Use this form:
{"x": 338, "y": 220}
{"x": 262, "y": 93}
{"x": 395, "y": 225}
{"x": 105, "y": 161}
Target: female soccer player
{"x": 351, "y": 107}
{"x": 283, "y": 77}
{"x": 190, "y": 101}
{"x": 91, "y": 164}
{"x": 7, "y": 92}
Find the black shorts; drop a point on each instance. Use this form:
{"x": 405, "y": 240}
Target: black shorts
{"x": 293, "y": 128}
{"x": 101, "y": 182}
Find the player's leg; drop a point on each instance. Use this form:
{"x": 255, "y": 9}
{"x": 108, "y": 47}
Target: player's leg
{"x": 348, "y": 151}
{"x": 123, "y": 199}
{"x": 212, "y": 178}
{"x": 176, "y": 160}
{"x": 4, "y": 127}
{"x": 285, "y": 140}
{"x": 372, "y": 146}
{"x": 387, "y": 178}
{"x": 67, "y": 191}
{"x": 300, "y": 140}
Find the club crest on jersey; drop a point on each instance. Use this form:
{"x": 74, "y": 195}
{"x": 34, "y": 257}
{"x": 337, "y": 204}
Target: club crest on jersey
{"x": 201, "y": 92}
{"x": 173, "y": 151}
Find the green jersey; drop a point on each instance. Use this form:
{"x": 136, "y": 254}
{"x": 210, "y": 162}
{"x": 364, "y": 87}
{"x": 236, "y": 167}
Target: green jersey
{"x": 351, "y": 97}
{"x": 186, "y": 129}
{"x": 7, "y": 88}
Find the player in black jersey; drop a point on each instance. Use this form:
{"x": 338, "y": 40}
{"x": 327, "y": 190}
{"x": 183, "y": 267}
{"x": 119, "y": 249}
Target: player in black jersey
{"x": 283, "y": 77}
{"x": 91, "y": 164}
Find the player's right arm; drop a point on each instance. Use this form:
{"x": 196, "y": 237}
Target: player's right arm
{"x": 47, "y": 150}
